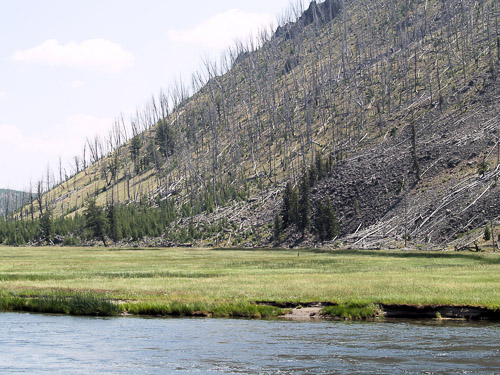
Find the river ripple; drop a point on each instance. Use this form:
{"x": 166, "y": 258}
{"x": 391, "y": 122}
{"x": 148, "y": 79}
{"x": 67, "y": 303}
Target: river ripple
{"x": 36, "y": 343}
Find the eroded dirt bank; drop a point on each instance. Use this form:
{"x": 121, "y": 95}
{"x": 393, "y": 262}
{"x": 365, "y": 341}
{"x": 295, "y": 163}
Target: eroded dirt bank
{"x": 307, "y": 311}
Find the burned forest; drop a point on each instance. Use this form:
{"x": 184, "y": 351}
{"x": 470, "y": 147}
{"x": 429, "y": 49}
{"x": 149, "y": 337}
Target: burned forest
{"x": 354, "y": 123}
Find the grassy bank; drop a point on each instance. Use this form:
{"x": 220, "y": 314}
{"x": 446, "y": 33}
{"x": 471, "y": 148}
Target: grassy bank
{"x": 80, "y": 303}
{"x": 227, "y": 282}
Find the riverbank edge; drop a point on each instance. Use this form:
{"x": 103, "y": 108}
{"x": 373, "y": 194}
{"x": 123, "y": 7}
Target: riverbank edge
{"x": 379, "y": 311}
{"x": 92, "y": 305}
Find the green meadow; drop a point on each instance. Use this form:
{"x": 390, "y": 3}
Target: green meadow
{"x": 228, "y": 282}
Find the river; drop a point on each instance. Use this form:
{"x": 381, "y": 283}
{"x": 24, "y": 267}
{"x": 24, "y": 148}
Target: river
{"x": 48, "y": 344}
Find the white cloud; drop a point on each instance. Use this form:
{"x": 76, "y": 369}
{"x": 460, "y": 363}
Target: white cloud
{"x": 78, "y": 83}
{"x": 29, "y": 155}
{"x": 221, "y": 30}
{"x": 93, "y": 54}
{"x": 3, "y": 96}
{"x": 66, "y": 138}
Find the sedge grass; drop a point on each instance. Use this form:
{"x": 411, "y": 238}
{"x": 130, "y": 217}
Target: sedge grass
{"x": 58, "y": 303}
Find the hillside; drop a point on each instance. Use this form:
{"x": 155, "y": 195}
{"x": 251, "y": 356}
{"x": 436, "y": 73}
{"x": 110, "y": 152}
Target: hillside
{"x": 398, "y": 98}
{"x": 11, "y": 200}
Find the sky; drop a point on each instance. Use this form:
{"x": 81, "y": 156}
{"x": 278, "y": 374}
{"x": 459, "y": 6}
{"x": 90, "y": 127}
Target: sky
{"x": 69, "y": 68}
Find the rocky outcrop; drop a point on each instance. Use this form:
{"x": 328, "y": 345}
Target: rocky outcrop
{"x": 316, "y": 13}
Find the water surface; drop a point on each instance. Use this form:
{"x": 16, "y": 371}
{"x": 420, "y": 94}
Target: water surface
{"x": 36, "y": 343}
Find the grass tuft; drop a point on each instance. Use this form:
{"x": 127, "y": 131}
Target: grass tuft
{"x": 352, "y": 311}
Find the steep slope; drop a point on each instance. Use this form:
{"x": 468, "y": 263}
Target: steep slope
{"x": 399, "y": 96}
{"x": 453, "y": 195}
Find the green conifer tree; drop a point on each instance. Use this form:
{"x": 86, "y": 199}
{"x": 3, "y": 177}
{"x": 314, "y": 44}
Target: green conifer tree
{"x": 487, "y": 233}
{"x": 320, "y": 166}
{"x": 46, "y": 225}
{"x": 320, "y": 222}
{"x": 115, "y": 227}
{"x": 287, "y": 205}
{"x": 325, "y": 221}
{"x": 304, "y": 214}
{"x": 313, "y": 176}
{"x": 191, "y": 231}
{"x": 164, "y": 138}
{"x": 95, "y": 220}
{"x": 294, "y": 208}
{"x": 277, "y": 229}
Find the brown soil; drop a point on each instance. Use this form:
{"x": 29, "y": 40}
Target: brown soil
{"x": 304, "y": 313}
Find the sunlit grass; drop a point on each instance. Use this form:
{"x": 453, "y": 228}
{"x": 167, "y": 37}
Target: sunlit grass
{"x": 223, "y": 282}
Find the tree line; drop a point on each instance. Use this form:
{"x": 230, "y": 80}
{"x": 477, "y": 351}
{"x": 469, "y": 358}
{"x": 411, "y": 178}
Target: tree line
{"x": 111, "y": 224}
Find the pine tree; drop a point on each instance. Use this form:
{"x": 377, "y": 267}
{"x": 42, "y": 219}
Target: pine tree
{"x": 46, "y": 225}
{"x": 12, "y": 238}
{"x": 115, "y": 230}
{"x": 191, "y": 231}
{"x": 287, "y": 205}
{"x": 325, "y": 221}
{"x": 95, "y": 220}
{"x": 278, "y": 228}
{"x": 135, "y": 149}
{"x": 320, "y": 166}
{"x": 319, "y": 221}
{"x": 20, "y": 239}
{"x": 294, "y": 216}
{"x": 164, "y": 138}
{"x": 304, "y": 222}
{"x": 487, "y": 233}
{"x": 313, "y": 175}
